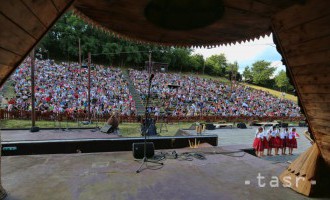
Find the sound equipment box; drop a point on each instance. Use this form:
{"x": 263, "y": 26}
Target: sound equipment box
{"x": 209, "y": 127}
{"x": 284, "y": 125}
{"x": 138, "y": 150}
{"x": 106, "y": 128}
{"x": 241, "y": 125}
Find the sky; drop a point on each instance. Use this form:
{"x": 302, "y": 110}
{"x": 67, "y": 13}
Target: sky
{"x": 247, "y": 53}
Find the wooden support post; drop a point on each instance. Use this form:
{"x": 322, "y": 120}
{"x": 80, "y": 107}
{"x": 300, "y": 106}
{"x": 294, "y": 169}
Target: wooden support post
{"x": 33, "y": 114}
{"x": 89, "y": 87}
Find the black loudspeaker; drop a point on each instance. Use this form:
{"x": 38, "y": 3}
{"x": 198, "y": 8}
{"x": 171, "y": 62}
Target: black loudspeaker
{"x": 284, "y": 125}
{"x": 241, "y": 125}
{"x": 34, "y": 129}
{"x": 209, "y": 127}
{"x": 106, "y": 128}
{"x": 138, "y": 150}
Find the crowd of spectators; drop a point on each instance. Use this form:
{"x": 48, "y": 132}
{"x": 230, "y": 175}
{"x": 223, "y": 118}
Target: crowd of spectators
{"x": 182, "y": 95}
{"x": 64, "y": 87}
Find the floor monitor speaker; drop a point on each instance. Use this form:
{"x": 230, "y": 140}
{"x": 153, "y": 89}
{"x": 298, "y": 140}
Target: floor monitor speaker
{"x": 106, "y": 129}
{"x": 138, "y": 150}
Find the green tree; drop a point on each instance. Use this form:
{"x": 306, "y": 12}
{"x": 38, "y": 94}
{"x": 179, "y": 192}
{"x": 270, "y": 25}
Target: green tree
{"x": 282, "y": 81}
{"x": 217, "y": 63}
{"x": 180, "y": 58}
{"x": 232, "y": 70}
{"x": 247, "y": 74}
{"x": 197, "y": 62}
{"x": 262, "y": 72}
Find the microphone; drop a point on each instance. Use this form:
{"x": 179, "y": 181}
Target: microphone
{"x": 151, "y": 77}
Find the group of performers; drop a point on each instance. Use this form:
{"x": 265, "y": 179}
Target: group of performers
{"x": 275, "y": 138}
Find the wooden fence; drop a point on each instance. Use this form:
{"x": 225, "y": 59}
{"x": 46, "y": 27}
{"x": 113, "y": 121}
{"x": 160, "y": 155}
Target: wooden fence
{"x": 81, "y": 116}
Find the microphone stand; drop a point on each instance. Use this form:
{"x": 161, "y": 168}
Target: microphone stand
{"x": 145, "y": 130}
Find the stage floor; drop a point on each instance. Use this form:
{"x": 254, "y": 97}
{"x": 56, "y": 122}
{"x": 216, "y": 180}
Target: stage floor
{"x": 112, "y": 176}
{"x": 53, "y": 134}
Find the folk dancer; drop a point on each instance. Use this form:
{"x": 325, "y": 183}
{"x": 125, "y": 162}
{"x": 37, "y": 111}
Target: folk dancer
{"x": 284, "y": 135}
{"x": 292, "y": 141}
{"x": 258, "y": 144}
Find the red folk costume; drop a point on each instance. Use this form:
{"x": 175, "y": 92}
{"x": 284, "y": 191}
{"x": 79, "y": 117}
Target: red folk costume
{"x": 258, "y": 142}
{"x": 278, "y": 141}
{"x": 284, "y": 136}
{"x": 292, "y": 141}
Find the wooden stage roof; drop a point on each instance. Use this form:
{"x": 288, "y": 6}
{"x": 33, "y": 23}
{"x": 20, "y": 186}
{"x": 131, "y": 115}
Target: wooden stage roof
{"x": 300, "y": 28}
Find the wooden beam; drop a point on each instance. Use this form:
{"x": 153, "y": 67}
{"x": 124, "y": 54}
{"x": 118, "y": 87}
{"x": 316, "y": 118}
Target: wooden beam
{"x": 317, "y": 114}
{"x": 311, "y": 69}
{"x": 14, "y": 62}
{"x": 8, "y": 58}
{"x": 17, "y": 40}
{"x": 60, "y": 4}
{"x": 312, "y": 58}
{"x": 313, "y": 79}
{"x": 4, "y": 69}
{"x": 315, "y": 88}
{"x": 315, "y": 97}
{"x": 305, "y": 32}
{"x": 17, "y": 12}
{"x": 300, "y": 14}
{"x": 320, "y": 128}
{"x": 255, "y": 7}
{"x": 311, "y": 46}
{"x": 317, "y": 105}
{"x": 318, "y": 121}
{"x": 38, "y": 7}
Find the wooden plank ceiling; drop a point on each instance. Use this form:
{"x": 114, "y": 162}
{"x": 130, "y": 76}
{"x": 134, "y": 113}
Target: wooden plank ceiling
{"x": 242, "y": 20}
{"x": 303, "y": 32}
{"x": 23, "y": 23}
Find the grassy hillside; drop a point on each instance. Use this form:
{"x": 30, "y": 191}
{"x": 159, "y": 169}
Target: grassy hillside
{"x": 274, "y": 92}
{"x": 271, "y": 91}
{"x": 206, "y": 76}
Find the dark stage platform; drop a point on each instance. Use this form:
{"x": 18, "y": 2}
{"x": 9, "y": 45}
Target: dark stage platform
{"x": 23, "y": 142}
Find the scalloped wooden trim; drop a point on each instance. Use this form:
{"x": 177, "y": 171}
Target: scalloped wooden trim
{"x": 140, "y": 41}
